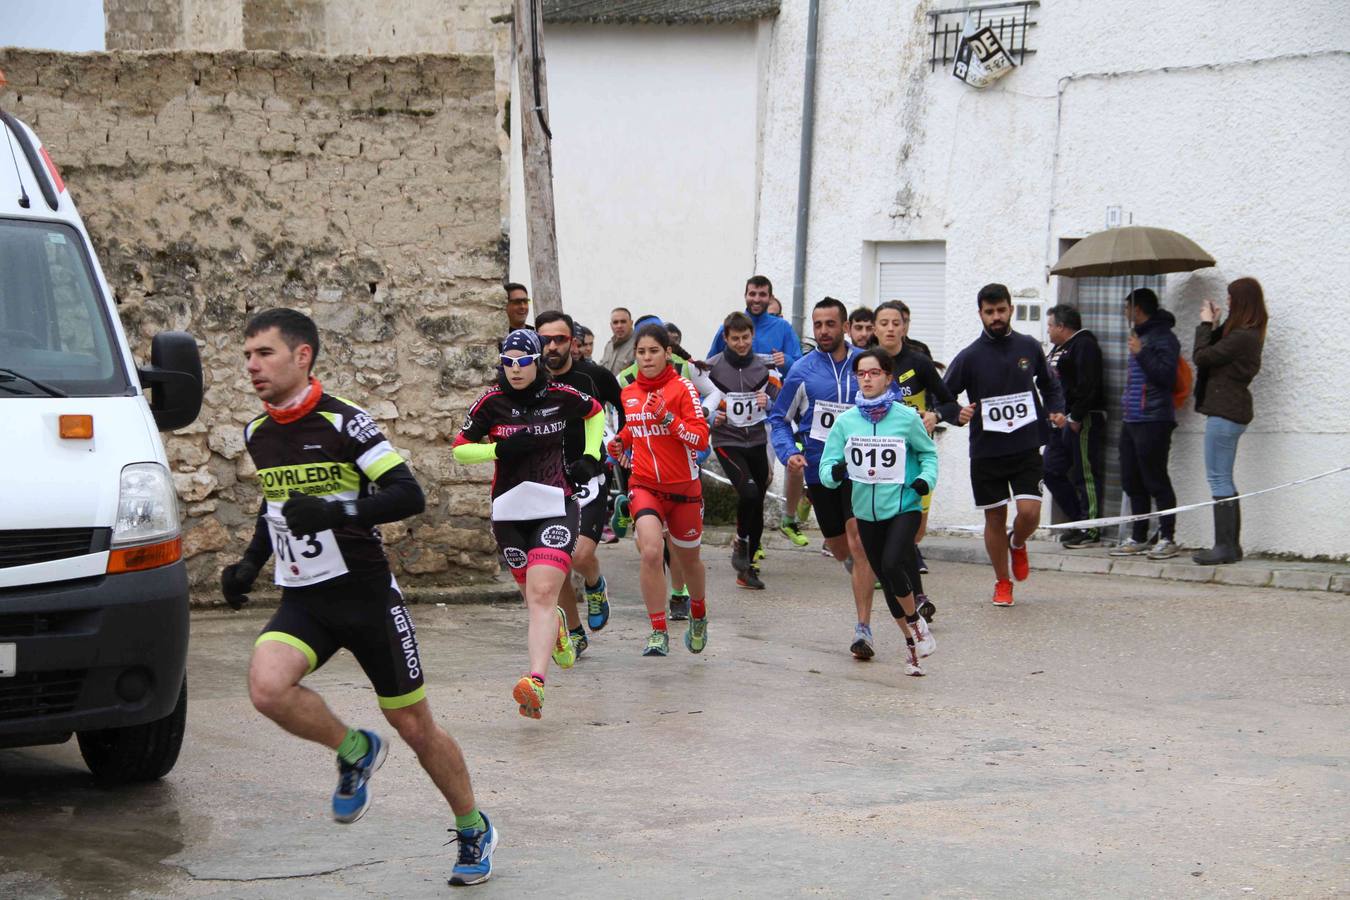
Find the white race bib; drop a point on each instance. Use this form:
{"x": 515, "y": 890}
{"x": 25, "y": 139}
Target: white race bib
{"x": 1008, "y": 412}
{"x": 304, "y": 559}
{"x": 875, "y": 459}
{"x": 743, "y": 409}
{"x": 822, "y": 420}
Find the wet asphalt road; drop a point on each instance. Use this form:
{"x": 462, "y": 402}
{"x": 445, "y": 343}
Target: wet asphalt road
{"x": 1105, "y": 737}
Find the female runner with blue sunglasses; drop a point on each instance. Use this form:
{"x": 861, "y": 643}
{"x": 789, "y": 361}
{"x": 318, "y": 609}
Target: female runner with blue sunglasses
{"x": 534, "y": 519}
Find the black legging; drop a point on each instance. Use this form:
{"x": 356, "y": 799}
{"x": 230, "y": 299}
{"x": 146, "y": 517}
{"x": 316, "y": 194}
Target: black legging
{"x": 889, "y": 545}
{"x": 748, "y": 469}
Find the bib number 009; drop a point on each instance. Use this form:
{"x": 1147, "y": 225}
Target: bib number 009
{"x": 1008, "y": 412}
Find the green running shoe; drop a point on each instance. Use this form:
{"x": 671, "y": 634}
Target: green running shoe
{"x": 696, "y": 638}
{"x": 620, "y": 522}
{"x": 579, "y": 641}
{"x": 658, "y": 644}
{"x": 759, "y": 555}
{"x": 793, "y": 532}
{"x": 564, "y": 652}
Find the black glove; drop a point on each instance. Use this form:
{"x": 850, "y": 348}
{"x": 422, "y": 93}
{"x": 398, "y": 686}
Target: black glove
{"x": 236, "y": 581}
{"x": 920, "y": 486}
{"x": 310, "y": 515}
{"x": 839, "y": 471}
{"x": 583, "y": 470}
{"x": 519, "y": 444}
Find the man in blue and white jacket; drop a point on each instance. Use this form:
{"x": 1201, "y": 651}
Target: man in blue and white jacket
{"x": 775, "y": 340}
{"x": 816, "y": 391}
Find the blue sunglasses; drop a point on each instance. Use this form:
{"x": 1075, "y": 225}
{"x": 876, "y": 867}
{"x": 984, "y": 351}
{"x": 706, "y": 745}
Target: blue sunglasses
{"x": 519, "y": 362}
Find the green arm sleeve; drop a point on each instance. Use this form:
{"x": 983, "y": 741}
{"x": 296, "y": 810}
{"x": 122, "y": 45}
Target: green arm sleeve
{"x": 470, "y": 453}
{"x": 595, "y": 434}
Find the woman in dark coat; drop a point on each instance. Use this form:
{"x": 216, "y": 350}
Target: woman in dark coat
{"x": 1227, "y": 358}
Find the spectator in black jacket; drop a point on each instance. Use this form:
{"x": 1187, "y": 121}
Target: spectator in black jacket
{"x": 1075, "y": 456}
{"x": 1149, "y": 414}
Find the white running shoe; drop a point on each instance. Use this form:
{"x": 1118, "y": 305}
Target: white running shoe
{"x": 1129, "y": 547}
{"x": 925, "y": 643}
{"x": 1166, "y": 548}
{"x": 912, "y": 666}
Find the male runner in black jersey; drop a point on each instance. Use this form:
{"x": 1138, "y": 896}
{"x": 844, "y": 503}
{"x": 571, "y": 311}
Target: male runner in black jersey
{"x": 557, "y": 332}
{"x": 317, "y": 458}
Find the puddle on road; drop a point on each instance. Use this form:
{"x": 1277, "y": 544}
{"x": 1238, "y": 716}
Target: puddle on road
{"x": 62, "y": 835}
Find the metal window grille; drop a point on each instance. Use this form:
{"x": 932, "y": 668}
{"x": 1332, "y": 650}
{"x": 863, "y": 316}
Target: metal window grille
{"x": 1011, "y": 21}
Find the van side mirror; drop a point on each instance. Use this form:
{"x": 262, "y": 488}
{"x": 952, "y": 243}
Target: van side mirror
{"x": 173, "y": 379}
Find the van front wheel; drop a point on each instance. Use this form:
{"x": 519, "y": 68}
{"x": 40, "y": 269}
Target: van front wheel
{"x": 136, "y": 752}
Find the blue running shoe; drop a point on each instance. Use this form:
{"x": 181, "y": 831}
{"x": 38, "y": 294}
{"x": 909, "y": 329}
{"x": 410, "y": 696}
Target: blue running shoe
{"x": 475, "y": 854}
{"x": 352, "y": 797}
{"x": 597, "y": 605}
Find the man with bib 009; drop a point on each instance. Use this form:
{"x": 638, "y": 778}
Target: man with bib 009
{"x": 319, "y": 459}
{"x": 1012, "y": 395}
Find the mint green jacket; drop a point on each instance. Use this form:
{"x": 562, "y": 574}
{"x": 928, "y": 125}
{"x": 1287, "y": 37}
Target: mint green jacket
{"x": 877, "y": 502}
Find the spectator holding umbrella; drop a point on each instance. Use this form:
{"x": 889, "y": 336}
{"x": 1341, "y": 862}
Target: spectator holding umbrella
{"x": 1227, "y": 357}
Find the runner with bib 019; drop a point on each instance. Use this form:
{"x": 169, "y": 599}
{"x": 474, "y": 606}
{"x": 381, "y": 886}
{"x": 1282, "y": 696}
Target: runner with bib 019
{"x": 817, "y": 390}
{"x": 883, "y": 448}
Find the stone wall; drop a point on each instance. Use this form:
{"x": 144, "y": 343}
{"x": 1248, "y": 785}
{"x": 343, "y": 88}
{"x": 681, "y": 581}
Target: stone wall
{"x": 364, "y": 191}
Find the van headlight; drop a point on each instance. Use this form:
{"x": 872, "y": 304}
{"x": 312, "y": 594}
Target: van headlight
{"x": 147, "y": 506}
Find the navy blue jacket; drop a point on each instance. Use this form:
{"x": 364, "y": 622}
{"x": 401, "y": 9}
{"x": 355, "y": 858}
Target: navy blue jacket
{"x": 994, "y": 367}
{"x": 1152, "y": 372}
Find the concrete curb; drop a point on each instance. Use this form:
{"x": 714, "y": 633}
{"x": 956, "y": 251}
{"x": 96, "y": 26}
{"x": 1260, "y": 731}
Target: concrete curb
{"x": 1046, "y": 555}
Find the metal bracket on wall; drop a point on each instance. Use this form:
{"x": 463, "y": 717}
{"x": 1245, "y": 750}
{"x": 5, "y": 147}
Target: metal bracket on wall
{"x": 1011, "y": 21}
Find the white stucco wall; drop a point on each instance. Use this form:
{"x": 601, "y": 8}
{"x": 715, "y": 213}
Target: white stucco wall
{"x": 1242, "y": 151}
{"x": 654, "y": 154}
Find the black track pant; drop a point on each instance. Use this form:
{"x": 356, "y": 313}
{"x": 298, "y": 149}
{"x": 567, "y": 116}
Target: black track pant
{"x": 1144, "y": 449}
{"x": 890, "y": 548}
{"x": 748, "y": 469}
{"x": 889, "y": 545}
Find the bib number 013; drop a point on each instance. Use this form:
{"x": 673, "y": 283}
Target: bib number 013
{"x": 304, "y": 558}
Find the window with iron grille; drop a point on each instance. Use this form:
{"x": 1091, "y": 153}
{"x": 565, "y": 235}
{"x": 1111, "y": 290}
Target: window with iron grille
{"x": 1012, "y": 23}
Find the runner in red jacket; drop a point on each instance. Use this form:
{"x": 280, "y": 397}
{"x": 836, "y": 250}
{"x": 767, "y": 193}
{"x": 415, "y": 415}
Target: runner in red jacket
{"x": 664, "y": 430}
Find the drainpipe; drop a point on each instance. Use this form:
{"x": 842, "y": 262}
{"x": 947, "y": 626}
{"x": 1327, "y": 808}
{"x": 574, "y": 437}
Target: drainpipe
{"x": 804, "y": 172}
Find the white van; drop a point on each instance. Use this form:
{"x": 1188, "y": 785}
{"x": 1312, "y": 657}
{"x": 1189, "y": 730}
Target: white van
{"x": 93, "y": 589}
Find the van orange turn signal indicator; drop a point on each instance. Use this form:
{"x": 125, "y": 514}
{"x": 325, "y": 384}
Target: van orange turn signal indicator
{"x": 146, "y": 556}
{"x": 77, "y": 428}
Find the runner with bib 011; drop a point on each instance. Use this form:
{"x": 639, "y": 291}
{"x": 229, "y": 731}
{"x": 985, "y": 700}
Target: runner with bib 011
{"x": 319, "y": 460}
{"x": 817, "y": 390}
{"x": 883, "y": 448}
{"x": 534, "y": 517}
{"x": 745, "y": 387}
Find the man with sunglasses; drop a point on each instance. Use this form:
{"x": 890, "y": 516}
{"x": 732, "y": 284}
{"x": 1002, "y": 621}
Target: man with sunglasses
{"x": 557, "y": 334}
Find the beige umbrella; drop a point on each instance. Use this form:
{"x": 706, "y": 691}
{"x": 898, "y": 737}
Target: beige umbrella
{"x": 1132, "y": 250}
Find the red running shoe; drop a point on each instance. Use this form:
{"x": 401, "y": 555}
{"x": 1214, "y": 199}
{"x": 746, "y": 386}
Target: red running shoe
{"x": 1020, "y": 567}
{"x": 1003, "y": 593}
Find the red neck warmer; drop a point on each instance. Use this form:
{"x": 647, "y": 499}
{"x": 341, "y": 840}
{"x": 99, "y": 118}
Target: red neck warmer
{"x": 301, "y": 409}
{"x": 652, "y": 384}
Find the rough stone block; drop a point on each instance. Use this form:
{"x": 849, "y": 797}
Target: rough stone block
{"x": 1136, "y": 568}
{"x": 1302, "y": 580}
{"x": 1340, "y": 583}
{"x": 1188, "y": 572}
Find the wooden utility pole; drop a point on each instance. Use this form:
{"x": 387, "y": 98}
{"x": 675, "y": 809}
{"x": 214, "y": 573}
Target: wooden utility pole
{"x": 537, "y": 155}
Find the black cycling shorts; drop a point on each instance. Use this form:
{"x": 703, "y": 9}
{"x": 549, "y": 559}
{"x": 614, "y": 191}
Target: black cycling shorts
{"x": 594, "y": 515}
{"x": 992, "y": 478}
{"x": 364, "y": 614}
{"x": 534, "y": 542}
{"x": 833, "y": 506}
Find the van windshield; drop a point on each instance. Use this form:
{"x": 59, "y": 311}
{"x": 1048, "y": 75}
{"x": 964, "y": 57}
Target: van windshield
{"x": 54, "y": 326}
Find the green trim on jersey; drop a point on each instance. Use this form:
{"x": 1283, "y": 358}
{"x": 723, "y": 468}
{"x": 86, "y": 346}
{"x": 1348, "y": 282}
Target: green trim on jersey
{"x": 383, "y": 463}
{"x": 313, "y": 479}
